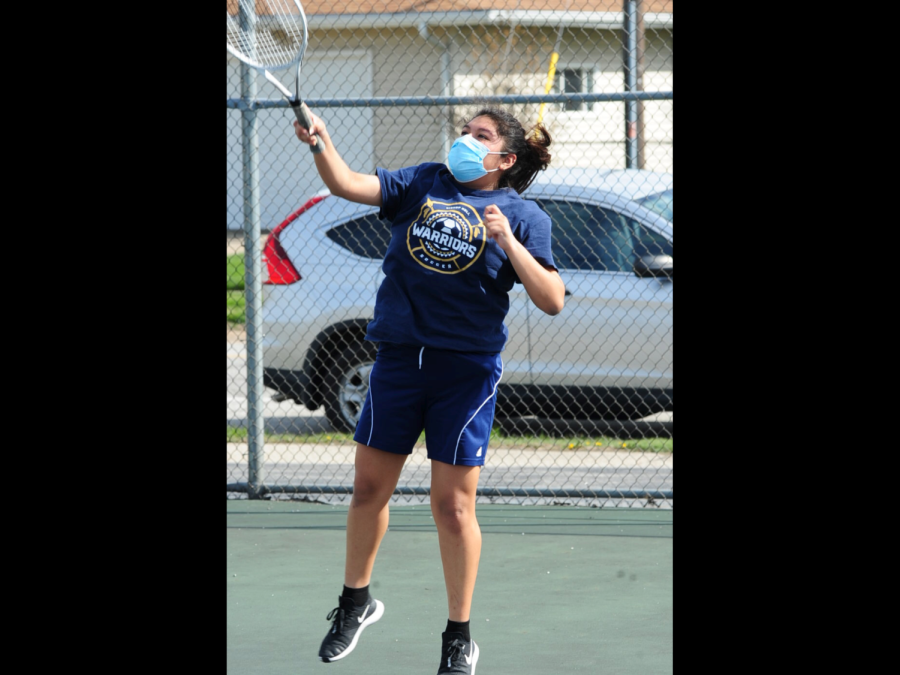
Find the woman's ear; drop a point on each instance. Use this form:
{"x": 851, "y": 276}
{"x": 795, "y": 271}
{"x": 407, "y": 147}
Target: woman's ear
{"x": 508, "y": 161}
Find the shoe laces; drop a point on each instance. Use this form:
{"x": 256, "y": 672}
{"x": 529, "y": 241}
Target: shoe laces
{"x": 336, "y": 616}
{"x": 454, "y": 650}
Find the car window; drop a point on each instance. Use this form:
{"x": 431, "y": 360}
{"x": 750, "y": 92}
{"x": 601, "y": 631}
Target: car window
{"x": 366, "y": 236}
{"x": 584, "y": 236}
{"x": 649, "y": 242}
{"x": 661, "y": 203}
{"x": 588, "y": 237}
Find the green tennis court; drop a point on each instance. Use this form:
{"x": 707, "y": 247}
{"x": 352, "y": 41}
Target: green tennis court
{"x": 560, "y": 589}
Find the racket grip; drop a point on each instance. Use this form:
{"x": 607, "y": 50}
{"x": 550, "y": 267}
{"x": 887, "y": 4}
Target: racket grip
{"x": 303, "y": 117}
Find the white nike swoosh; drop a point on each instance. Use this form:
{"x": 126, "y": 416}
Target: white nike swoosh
{"x": 360, "y": 618}
{"x": 468, "y": 659}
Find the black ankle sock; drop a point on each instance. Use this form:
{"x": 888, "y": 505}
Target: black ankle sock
{"x": 459, "y": 627}
{"x": 358, "y": 595}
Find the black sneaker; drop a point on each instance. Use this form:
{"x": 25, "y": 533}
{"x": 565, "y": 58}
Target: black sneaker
{"x": 348, "y": 622}
{"x": 458, "y": 655}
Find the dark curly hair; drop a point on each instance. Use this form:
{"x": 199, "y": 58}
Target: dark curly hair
{"x": 530, "y": 148}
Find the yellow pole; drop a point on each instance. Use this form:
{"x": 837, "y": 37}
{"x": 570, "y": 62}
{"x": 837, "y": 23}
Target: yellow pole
{"x": 554, "y": 57}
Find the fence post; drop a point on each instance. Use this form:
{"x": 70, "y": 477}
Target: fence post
{"x": 640, "y": 46}
{"x": 630, "y": 59}
{"x": 252, "y": 274}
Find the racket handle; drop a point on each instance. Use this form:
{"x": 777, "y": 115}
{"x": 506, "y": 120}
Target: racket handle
{"x": 303, "y": 117}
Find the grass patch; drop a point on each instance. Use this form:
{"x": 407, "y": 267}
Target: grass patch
{"x": 236, "y": 272}
{"x": 239, "y": 435}
{"x": 237, "y": 312}
{"x": 592, "y": 443}
{"x": 498, "y": 440}
{"x": 236, "y": 301}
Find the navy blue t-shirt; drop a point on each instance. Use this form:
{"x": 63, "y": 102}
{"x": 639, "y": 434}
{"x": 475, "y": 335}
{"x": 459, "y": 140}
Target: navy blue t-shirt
{"x": 447, "y": 285}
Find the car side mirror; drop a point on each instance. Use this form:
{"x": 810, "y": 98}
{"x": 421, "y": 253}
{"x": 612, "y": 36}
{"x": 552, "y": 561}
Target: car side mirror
{"x": 653, "y": 266}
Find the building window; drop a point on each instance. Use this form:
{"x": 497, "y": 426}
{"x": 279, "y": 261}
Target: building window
{"x": 574, "y": 81}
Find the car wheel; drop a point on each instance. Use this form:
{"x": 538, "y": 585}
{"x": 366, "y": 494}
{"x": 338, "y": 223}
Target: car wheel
{"x": 348, "y": 385}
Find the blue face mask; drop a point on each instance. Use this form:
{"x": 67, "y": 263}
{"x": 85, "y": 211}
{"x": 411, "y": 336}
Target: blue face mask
{"x": 466, "y": 159}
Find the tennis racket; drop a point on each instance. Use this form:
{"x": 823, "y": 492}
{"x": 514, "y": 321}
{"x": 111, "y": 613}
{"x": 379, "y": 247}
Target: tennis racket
{"x": 271, "y": 35}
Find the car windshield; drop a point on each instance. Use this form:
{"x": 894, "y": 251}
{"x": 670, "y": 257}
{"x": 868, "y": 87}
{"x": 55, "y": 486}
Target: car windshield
{"x": 661, "y": 203}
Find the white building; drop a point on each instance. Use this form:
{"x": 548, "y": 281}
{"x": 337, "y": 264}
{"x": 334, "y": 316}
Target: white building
{"x": 389, "y": 48}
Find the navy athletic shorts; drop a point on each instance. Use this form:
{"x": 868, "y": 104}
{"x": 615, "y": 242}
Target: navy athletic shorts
{"x": 451, "y": 395}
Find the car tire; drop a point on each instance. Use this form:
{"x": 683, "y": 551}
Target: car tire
{"x": 348, "y": 385}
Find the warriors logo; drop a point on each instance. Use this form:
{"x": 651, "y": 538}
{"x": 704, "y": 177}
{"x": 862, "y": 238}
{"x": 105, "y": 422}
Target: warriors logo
{"x": 446, "y": 238}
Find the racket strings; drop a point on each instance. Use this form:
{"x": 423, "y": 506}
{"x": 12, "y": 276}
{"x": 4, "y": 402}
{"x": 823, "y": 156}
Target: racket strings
{"x": 273, "y": 38}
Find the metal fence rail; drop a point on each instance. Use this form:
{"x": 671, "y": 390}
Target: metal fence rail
{"x": 585, "y": 408}
{"x": 399, "y": 101}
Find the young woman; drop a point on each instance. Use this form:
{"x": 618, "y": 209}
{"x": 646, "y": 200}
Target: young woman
{"x": 461, "y": 236}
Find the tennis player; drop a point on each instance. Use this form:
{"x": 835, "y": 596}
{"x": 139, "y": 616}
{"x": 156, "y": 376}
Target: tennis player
{"x": 461, "y": 236}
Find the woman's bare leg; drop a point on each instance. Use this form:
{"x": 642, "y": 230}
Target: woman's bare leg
{"x": 377, "y": 473}
{"x": 453, "y": 492}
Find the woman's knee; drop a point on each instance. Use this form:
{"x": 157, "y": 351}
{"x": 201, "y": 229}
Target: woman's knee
{"x": 370, "y": 492}
{"x": 376, "y": 476}
{"x": 453, "y": 513}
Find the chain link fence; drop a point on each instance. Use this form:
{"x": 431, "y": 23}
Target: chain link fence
{"x": 585, "y": 405}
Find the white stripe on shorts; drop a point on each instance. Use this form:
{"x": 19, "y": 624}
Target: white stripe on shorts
{"x": 456, "y": 450}
{"x": 371, "y": 407}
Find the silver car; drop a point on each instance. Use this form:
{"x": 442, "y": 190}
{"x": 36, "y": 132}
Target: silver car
{"x": 608, "y": 354}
